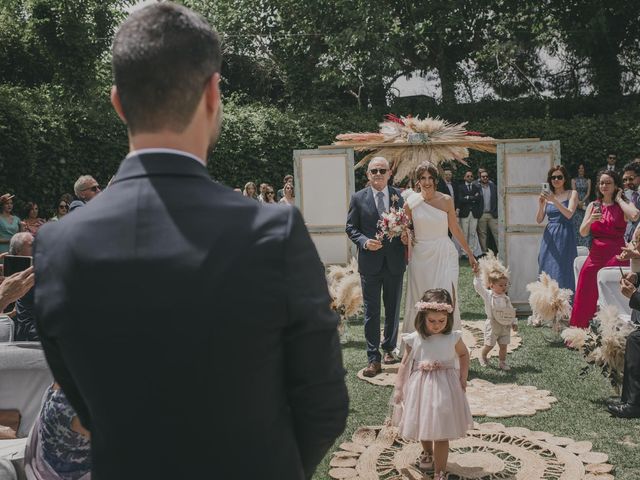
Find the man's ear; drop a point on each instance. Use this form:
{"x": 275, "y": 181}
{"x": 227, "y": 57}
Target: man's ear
{"x": 115, "y": 101}
{"x": 212, "y": 93}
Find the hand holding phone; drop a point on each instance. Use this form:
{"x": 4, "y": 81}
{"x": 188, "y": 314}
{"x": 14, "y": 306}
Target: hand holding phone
{"x": 16, "y": 263}
{"x": 545, "y": 188}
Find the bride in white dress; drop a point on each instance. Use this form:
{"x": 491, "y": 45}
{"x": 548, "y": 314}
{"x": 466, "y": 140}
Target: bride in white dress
{"x": 434, "y": 259}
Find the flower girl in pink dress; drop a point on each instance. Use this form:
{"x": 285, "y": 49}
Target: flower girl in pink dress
{"x": 430, "y": 404}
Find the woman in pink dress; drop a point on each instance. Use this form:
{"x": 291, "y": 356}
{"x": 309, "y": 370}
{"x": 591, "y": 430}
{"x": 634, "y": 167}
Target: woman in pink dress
{"x": 606, "y": 219}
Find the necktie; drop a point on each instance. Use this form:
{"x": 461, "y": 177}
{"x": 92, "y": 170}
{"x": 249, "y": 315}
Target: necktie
{"x": 380, "y": 202}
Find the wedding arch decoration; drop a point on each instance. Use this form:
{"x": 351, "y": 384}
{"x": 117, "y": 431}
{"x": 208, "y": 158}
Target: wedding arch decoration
{"x": 408, "y": 141}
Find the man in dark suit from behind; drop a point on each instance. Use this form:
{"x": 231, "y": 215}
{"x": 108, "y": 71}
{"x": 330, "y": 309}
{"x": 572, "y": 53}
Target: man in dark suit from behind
{"x": 188, "y": 326}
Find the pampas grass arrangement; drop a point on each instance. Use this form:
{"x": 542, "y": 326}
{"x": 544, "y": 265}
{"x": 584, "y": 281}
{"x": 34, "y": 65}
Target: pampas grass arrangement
{"x": 412, "y": 140}
{"x": 346, "y": 291}
{"x": 603, "y": 345}
{"x": 491, "y": 267}
{"x": 550, "y": 305}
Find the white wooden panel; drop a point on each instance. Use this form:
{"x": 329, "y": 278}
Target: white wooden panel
{"x": 524, "y": 169}
{"x": 324, "y": 183}
{"x": 522, "y": 209}
{"x": 522, "y": 251}
{"x": 332, "y": 247}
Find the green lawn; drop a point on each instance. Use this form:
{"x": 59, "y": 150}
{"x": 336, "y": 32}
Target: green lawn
{"x": 580, "y": 412}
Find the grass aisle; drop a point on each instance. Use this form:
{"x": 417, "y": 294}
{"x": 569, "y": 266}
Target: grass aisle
{"x": 580, "y": 412}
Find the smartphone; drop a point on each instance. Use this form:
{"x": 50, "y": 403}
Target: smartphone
{"x": 16, "y": 263}
{"x": 545, "y": 188}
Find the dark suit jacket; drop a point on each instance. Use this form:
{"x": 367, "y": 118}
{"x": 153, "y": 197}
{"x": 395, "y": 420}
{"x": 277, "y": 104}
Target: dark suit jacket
{"x": 442, "y": 188}
{"x": 184, "y": 320}
{"x": 493, "y": 208}
{"x": 469, "y": 200}
{"x": 361, "y": 226}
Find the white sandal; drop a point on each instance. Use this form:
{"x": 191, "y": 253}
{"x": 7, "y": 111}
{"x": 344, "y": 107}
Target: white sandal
{"x": 425, "y": 461}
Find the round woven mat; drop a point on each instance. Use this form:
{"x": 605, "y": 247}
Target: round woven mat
{"x": 473, "y": 337}
{"x": 489, "y": 451}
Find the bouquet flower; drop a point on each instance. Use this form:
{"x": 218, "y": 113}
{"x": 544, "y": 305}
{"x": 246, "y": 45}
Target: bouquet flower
{"x": 392, "y": 224}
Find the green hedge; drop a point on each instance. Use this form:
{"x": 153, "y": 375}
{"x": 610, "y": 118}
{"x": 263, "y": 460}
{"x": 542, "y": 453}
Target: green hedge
{"x": 48, "y": 139}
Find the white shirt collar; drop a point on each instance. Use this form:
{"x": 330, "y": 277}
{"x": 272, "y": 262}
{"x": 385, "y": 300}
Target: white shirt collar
{"x": 385, "y": 190}
{"x": 166, "y": 150}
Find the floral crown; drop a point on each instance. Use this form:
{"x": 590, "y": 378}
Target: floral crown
{"x": 440, "y": 307}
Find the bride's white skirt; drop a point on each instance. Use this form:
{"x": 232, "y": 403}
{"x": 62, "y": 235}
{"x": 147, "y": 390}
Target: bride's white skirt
{"x": 433, "y": 264}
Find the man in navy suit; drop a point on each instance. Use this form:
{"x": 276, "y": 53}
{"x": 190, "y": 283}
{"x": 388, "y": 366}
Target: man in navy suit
{"x": 381, "y": 263}
{"x": 470, "y": 209}
{"x": 180, "y": 318}
{"x": 489, "y": 218}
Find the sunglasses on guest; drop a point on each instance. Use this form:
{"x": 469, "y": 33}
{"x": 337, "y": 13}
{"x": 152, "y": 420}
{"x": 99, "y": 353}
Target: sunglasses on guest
{"x": 375, "y": 171}
{"x": 63, "y": 206}
{"x": 95, "y": 188}
{"x": 271, "y": 193}
{"x": 557, "y": 177}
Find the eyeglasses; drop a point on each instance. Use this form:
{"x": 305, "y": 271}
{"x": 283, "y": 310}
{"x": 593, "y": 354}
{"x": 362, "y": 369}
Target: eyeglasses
{"x": 271, "y": 193}
{"x": 612, "y": 157}
{"x": 375, "y": 171}
{"x": 94, "y": 188}
{"x": 65, "y": 207}
{"x": 557, "y": 177}
{"x": 484, "y": 176}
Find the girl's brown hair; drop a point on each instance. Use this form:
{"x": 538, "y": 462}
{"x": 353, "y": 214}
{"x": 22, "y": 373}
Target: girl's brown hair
{"x": 437, "y": 295}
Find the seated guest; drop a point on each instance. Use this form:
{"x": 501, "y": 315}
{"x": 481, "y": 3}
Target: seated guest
{"x": 269, "y": 194}
{"x": 630, "y": 177}
{"x": 59, "y": 447}
{"x": 288, "y": 179}
{"x": 606, "y": 219}
{"x": 25, "y": 327}
{"x": 250, "y": 190}
{"x": 32, "y": 221}
{"x": 85, "y": 188}
{"x": 14, "y": 287}
{"x": 629, "y": 406}
{"x": 288, "y": 198}
{"x": 62, "y": 208}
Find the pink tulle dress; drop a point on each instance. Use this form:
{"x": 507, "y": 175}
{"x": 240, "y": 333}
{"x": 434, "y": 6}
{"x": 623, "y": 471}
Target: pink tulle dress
{"x": 434, "y": 406}
{"x": 608, "y": 240}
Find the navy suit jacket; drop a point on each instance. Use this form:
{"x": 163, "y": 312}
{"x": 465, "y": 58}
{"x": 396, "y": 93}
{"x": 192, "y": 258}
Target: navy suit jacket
{"x": 493, "y": 208}
{"x": 181, "y": 319}
{"x": 469, "y": 200}
{"x": 362, "y": 226}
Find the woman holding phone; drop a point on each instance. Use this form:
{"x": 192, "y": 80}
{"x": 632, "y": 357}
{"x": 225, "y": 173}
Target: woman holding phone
{"x": 558, "y": 247}
{"x": 606, "y": 219}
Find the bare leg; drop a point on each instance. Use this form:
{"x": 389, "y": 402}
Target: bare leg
{"x": 483, "y": 356}
{"x": 427, "y": 446}
{"x": 502, "y": 355}
{"x": 440, "y": 455}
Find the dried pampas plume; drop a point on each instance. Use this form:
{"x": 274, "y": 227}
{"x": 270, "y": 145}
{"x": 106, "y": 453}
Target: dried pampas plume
{"x": 491, "y": 266}
{"x": 603, "y": 345}
{"x": 549, "y": 303}
{"x": 345, "y": 290}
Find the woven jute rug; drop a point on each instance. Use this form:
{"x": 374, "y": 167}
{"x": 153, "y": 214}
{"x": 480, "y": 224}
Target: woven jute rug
{"x": 488, "y": 399}
{"x": 473, "y": 338}
{"x": 490, "y": 451}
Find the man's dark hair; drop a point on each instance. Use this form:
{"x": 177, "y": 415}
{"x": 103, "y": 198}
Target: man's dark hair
{"x": 632, "y": 167}
{"x": 163, "y": 55}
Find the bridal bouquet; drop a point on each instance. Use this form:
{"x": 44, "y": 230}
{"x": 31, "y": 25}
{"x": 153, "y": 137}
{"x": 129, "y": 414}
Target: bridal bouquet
{"x": 392, "y": 224}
